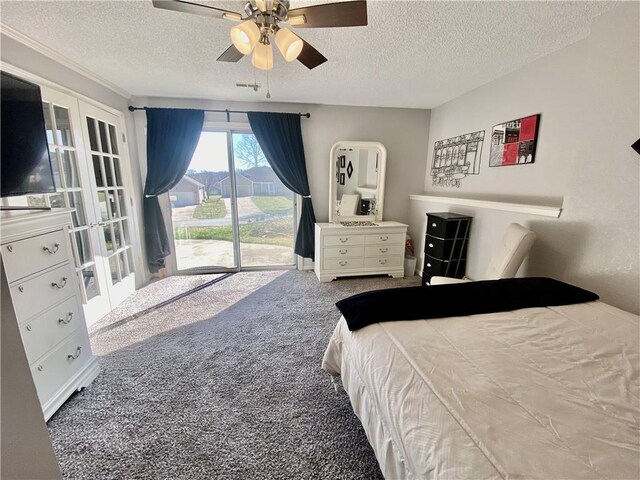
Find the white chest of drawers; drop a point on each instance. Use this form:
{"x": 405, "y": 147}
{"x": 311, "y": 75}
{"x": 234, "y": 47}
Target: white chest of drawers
{"x": 343, "y": 251}
{"x": 39, "y": 266}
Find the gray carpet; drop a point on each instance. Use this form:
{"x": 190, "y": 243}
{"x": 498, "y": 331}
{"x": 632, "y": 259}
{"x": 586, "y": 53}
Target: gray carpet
{"x": 225, "y": 383}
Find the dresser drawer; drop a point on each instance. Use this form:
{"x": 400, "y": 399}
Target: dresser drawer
{"x": 385, "y": 239}
{"x": 333, "y": 240}
{"x": 39, "y": 293}
{"x": 447, "y": 228}
{"x": 48, "y": 329}
{"x": 383, "y": 262}
{"x": 383, "y": 250}
{"x": 28, "y": 256}
{"x": 53, "y": 371}
{"x": 444, "y": 248}
{"x": 342, "y": 263}
{"x": 443, "y": 268}
{"x": 343, "y": 252}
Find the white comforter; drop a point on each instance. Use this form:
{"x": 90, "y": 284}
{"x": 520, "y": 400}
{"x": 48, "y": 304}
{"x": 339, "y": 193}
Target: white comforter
{"x": 544, "y": 393}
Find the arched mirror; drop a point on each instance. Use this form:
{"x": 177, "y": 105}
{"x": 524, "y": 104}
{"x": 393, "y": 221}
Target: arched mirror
{"x": 356, "y": 182}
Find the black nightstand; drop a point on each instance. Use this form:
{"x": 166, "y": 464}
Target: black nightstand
{"x": 445, "y": 245}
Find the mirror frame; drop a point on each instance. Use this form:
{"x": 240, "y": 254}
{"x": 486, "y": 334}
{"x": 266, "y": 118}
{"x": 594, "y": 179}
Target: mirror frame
{"x": 333, "y": 187}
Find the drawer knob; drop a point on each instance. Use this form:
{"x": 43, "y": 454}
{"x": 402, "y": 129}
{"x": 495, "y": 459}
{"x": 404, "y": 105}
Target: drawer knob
{"x": 62, "y": 283}
{"x": 344, "y": 240}
{"x": 434, "y": 224}
{"x": 39, "y": 368}
{"x": 383, "y": 261}
{"x": 56, "y": 247}
{"x": 384, "y": 250}
{"x": 384, "y": 239}
{"x": 21, "y": 289}
{"x": 67, "y": 320}
{"x": 10, "y": 247}
{"x": 73, "y": 357}
{"x": 29, "y": 327}
{"x": 431, "y": 245}
{"x": 428, "y": 264}
{"x": 343, "y": 263}
{"x": 343, "y": 252}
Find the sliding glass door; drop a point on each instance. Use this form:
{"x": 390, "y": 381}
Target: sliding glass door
{"x": 230, "y": 211}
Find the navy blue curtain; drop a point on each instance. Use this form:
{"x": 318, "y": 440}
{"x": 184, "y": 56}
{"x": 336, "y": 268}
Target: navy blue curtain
{"x": 172, "y": 137}
{"x": 280, "y": 137}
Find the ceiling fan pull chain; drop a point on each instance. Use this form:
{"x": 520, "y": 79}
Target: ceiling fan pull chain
{"x": 268, "y": 87}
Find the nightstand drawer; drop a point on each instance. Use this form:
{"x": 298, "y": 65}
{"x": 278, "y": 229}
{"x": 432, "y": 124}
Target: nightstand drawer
{"x": 444, "y": 248}
{"x": 342, "y": 264}
{"x": 383, "y": 250}
{"x": 383, "y": 262}
{"x": 39, "y": 293}
{"x": 31, "y": 255}
{"x": 444, "y": 268}
{"x": 51, "y": 327}
{"x": 54, "y": 370}
{"x": 336, "y": 240}
{"x": 385, "y": 239}
{"x": 343, "y": 252}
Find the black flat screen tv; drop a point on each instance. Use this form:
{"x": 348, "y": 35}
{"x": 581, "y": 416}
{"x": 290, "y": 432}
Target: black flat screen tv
{"x": 25, "y": 166}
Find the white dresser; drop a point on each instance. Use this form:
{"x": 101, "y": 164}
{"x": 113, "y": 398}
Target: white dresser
{"x": 38, "y": 262}
{"x": 343, "y": 251}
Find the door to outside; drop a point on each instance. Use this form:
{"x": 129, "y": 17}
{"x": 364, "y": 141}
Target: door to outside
{"x": 230, "y": 211}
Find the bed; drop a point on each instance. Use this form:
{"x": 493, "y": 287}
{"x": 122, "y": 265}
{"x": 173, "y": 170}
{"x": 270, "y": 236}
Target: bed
{"x": 540, "y": 392}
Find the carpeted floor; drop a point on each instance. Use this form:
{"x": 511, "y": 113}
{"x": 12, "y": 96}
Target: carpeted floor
{"x": 225, "y": 383}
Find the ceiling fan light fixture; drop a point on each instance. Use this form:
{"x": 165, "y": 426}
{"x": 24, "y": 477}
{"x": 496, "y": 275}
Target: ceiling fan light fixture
{"x": 289, "y": 44}
{"x": 245, "y": 36}
{"x": 262, "y": 56}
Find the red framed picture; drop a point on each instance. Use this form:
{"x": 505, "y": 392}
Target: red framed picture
{"x": 514, "y": 142}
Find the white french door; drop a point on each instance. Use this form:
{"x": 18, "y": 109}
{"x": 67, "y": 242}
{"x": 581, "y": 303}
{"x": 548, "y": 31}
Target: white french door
{"x": 110, "y": 197}
{"x": 85, "y": 151}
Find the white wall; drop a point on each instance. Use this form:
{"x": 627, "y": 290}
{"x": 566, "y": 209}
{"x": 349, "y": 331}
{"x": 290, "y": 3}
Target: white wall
{"x": 34, "y": 62}
{"x": 401, "y": 131}
{"x": 589, "y": 98}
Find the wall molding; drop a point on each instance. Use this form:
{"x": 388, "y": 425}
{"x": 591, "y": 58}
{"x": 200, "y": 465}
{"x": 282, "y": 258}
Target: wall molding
{"x": 62, "y": 60}
{"x": 529, "y": 209}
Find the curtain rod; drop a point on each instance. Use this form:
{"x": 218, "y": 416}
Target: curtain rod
{"x": 133, "y": 109}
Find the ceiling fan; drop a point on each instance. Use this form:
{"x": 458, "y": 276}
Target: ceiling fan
{"x": 261, "y": 26}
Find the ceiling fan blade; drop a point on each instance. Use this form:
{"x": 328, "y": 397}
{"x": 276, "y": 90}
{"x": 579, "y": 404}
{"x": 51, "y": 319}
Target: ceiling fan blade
{"x": 341, "y": 14}
{"x": 310, "y": 57}
{"x": 231, "y": 54}
{"x": 195, "y": 8}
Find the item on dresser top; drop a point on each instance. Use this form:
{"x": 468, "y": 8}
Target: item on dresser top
{"x": 486, "y": 296}
{"x": 445, "y": 245}
{"x": 41, "y": 275}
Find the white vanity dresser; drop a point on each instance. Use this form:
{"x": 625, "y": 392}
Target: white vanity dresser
{"x": 356, "y": 241}
{"x": 40, "y": 273}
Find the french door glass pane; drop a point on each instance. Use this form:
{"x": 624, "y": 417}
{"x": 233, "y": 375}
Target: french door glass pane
{"x": 47, "y": 122}
{"x": 116, "y": 169}
{"x": 97, "y": 171}
{"x": 63, "y": 126}
{"x": 123, "y": 209}
{"x": 93, "y": 138}
{"x": 117, "y": 236}
{"x": 265, "y": 207}
{"x": 55, "y": 167}
{"x": 107, "y": 171}
{"x": 201, "y": 208}
{"x": 57, "y": 200}
{"x": 70, "y": 169}
{"x": 89, "y": 282}
{"x": 83, "y": 246}
{"x": 113, "y": 138}
{"x": 108, "y": 238}
{"x": 75, "y": 201}
{"x": 113, "y": 266}
{"x": 102, "y": 202}
{"x": 103, "y": 137}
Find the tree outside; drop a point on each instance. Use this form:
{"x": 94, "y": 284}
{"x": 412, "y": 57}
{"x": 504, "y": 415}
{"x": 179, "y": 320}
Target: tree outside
{"x": 247, "y": 151}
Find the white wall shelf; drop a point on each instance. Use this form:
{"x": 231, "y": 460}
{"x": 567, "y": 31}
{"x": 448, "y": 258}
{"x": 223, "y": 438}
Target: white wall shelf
{"x": 543, "y": 210}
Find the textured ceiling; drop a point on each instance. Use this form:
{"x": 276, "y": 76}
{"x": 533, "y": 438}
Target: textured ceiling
{"x": 415, "y": 54}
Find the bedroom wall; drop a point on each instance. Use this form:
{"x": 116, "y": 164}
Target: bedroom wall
{"x": 401, "y": 131}
{"x": 589, "y": 98}
{"x": 22, "y": 56}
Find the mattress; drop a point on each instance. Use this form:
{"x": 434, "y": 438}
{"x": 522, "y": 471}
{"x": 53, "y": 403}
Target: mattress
{"x": 534, "y": 393}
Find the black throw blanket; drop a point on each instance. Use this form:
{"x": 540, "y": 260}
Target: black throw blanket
{"x": 454, "y": 300}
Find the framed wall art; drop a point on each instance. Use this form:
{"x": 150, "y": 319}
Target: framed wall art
{"x": 514, "y": 142}
{"x": 455, "y": 158}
